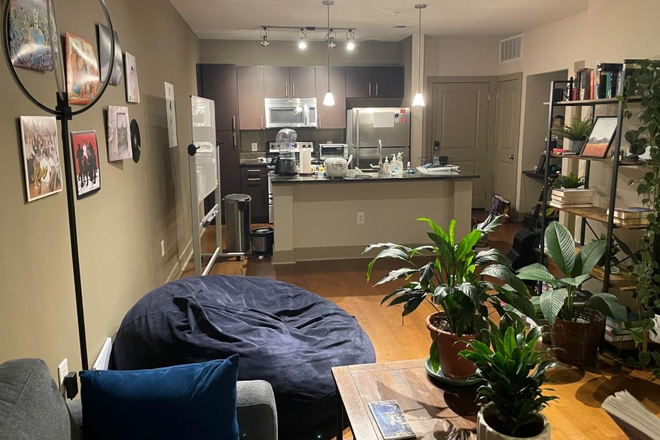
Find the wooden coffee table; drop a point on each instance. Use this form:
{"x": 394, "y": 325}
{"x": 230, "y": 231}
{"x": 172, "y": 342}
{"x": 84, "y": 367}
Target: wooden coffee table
{"x": 430, "y": 410}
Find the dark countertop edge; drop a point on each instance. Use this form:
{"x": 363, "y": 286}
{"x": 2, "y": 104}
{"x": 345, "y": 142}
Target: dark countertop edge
{"x": 252, "y": 164}
{"x": 276, "y": 181}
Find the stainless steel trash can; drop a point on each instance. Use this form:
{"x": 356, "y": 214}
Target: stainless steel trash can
{"x": 237, "y": 219}
{"x": 262, "y": 241}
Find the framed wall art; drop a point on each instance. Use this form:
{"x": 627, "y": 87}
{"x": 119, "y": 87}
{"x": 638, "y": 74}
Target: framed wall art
{"x": 105, "y": 47}
{"x": 119, "y": 139}
{"x": 82, "y": 70}
{"x": 29, "y": 36}
{"x": 41, "y": 156}
{"x": 132, "y": 85}
{"x": 601, "y": 137}
{"x": 85, "y": 153}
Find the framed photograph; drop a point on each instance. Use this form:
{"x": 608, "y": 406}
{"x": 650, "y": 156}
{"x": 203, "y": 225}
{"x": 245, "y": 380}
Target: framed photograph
{"x": 86, "y": 162}
{"x": 171, "y": 114}
{"x": 82, "y": 70}
{"x": 119, "y": 138}
{"x": 601, "y": 137}
{"x": 132, "y": 86}
{"x": 105, "y": 47}
{"x": 29, "y": 36}
{"x": 41, "y": 156}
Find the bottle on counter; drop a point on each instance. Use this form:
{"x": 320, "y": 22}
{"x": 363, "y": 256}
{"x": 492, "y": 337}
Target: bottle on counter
{"x": 386, "y": 167}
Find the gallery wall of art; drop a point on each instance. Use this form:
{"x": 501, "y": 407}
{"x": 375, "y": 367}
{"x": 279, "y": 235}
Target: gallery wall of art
{"x": 125, "y": 206}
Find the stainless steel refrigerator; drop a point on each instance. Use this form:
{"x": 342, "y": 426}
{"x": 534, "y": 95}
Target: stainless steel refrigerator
{"x": 366, "y": 126}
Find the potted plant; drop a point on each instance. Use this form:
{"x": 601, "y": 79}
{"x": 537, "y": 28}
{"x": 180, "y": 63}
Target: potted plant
{"x": 454, "y": 279}
{"x": 577, "y": 133}
{"x": 570, "y": 181}
{"x": 576, "y": 328}
{"x": 513, "y": 372}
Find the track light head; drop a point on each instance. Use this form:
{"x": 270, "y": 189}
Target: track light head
{"x": 264, "y": 38}
{"x": 350, "y": 40}
{"x": 302, "y": 39}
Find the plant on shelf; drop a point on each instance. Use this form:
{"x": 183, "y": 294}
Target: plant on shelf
{"x": 452, "y": 277}
{"x": 576, "y": 133}
{"x": 645, "y": 83}
{"x": 570, "y": 181}
{"x": 513, "y": 372}
{"x": 576, "y": 328}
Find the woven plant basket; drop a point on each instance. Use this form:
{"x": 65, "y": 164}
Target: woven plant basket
{"x": 577, "y": 343}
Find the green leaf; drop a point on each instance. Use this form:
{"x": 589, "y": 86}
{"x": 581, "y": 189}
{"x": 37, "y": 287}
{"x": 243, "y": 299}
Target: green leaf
{"x": 467, "y": 243}
{"x": 644, "y": 359}
{"x": 561, "y": 247}
{"x": 452, "y": 230}
{"x": 589, "y": 256}
{"x": 608, "y": 305}
{"x": 397, "y": 274}
{"x": 436, "y": 229}
{"x": 491, "y": 224}
{"x": 551, "y": 303}
{"x": 491, "y": 256}
{"x": 435, "y": 356}
{"x": 394, "y": 251}
{"x": 537, "y": 272}
{"x": 577, "y": 281}
{"x": 412, "y": 305}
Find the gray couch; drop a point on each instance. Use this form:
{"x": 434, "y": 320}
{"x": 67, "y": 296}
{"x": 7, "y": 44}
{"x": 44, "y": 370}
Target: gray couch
{"x": 32, "y": 408}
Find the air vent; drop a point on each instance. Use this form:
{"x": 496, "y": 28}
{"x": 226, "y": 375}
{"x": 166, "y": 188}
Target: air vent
{"x": 401, "y": 26}
{"x": 372, "y": 40}
{"x": 511, "y": 49}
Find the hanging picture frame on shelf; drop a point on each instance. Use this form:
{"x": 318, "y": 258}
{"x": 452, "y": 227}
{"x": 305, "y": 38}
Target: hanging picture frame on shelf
{"x": 41, "y": 156}
{"x": 105, "y": 47}
{"x": 119, "y": 138}
{"x": 601, "y": 137}
{"x": 85, "y": 152}
{"x": 82, "y": 70}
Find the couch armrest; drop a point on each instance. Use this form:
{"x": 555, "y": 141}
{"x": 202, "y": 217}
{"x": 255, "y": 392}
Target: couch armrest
{"x": 75, "y": 409}
{"x": 257, "y": 413}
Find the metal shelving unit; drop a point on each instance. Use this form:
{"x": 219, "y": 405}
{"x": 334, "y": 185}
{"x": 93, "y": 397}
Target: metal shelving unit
{"x": 594, "y": 214}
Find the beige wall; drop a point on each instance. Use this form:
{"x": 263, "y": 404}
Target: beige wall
{"x": 121, "y": 227}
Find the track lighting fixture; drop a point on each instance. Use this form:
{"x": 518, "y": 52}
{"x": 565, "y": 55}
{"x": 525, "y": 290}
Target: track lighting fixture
{"x": 264, "y": 38}
{"x": 302, "y": 39}
{"x": 350, "y": 40}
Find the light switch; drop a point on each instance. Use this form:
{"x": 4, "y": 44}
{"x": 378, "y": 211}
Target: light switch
{"x": 255, "y": 146}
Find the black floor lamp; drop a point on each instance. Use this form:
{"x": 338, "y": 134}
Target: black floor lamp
{"x": 64, "y": 113}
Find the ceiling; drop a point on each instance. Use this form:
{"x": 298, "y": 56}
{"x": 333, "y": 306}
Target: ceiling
{"x": 374, "y": 19}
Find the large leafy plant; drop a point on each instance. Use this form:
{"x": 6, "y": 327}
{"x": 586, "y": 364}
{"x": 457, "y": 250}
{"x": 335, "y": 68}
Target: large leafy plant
{"x": 578, "y": 130}
{"x": 576, "y": 269}
{"x": 451, "y": 275}
{"x": 513, "y": 371}
{"x": 645, "y": 83}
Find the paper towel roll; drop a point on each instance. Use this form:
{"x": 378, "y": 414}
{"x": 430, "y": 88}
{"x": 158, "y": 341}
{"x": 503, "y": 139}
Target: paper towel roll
{"x": 306, "y": 161}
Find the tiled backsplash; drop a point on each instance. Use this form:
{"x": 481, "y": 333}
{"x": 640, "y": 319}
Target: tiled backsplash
{"x": 262, "y": 137}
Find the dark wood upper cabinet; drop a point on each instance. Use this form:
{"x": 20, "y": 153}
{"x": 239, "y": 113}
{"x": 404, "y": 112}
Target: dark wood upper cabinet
{"x": 358, "y": 82}
{"x": 302, "y": 82}
{"x": 331, "y": 117}
{"x": 276, "y": 82}
{"x": 251, "y": 97}
{"x": 218, "y": 83}
{"x": 388, "y": 81}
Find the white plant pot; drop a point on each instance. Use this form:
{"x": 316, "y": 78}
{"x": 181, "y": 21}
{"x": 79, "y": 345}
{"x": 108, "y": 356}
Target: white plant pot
{"x": 653, "y": 337}
{"x": 485, "y": 432}
{"x": 576, "y": 146}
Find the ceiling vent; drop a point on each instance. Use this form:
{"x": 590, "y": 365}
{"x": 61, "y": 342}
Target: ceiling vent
{"x": 401, "y": 26}
{"x": 373, "y": 40}
{"x": 511, "y": 49}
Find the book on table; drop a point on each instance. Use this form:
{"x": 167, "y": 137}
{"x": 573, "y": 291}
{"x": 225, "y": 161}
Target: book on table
{"x": 391, "y": 420}
{"x": 634, "y": 418}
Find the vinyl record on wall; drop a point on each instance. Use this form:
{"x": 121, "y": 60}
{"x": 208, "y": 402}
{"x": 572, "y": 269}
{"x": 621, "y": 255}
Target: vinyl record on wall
{"x": 135, "y": 141}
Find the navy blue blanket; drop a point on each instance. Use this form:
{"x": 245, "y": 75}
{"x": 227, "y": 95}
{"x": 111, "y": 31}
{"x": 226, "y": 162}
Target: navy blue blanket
{"x": 284, "y": 334}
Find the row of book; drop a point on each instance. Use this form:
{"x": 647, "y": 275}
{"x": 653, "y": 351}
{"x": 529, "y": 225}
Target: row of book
{"x": 572, "y": 198}
{"x": 633, "y": 216}
{"x": 605, "y": 81}
{"x": 615, "y": 331}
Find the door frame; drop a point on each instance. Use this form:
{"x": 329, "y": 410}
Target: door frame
{"x": 427, "y": 126}
{"x": 518, "y": 149}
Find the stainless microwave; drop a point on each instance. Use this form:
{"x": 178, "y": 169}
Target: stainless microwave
{"x": 291, "y": 112}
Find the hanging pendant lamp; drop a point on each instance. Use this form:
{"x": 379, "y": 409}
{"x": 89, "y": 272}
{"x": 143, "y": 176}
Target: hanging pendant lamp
{"x": 418, "y": 101}
{"x": 329, "y": 99}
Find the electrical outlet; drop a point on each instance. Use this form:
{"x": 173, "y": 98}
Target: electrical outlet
{"x": 62, "y": 371}
{"x": 360, "y": 218}
{"x": 162, "y": 248}
{"x": 255, "y": 146}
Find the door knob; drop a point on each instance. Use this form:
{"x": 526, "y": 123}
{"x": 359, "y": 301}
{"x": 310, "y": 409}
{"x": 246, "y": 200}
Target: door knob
{"x": 511, "y": 157}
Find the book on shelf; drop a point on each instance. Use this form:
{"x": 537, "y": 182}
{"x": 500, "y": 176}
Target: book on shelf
{"x": 560, "y": 205}
{"x": 620, "y": 325}
{"x": 636, "y": 420}
{"x": 573, "y": 192}
{"x": 577, "y": 196}
{"x": 607, "y": 79}
{"x": 630, "y": 213}
{"x": 611, "y": 337}
{"x": 569, "y": 201}
{"x": 631, "y": 222}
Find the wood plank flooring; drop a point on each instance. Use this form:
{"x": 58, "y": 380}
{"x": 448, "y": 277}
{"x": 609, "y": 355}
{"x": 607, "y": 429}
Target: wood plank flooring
{"x": 576, "y": 415}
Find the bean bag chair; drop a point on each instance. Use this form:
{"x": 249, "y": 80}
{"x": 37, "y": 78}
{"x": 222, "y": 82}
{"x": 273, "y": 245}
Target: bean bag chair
{"x": 284, "y": 334}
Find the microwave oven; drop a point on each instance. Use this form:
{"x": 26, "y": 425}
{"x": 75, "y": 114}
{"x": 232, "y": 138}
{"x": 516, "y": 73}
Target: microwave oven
{"x": 291, "y": 112}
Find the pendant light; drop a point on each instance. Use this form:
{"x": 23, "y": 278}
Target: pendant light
{"x": 329, "y": 99}
{"x": 350, "y": 40}
{"x": 302, "y": 39}
{"x": 418, "y": 101}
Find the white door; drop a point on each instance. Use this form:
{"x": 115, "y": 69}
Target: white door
{"x": 507, "y": 135}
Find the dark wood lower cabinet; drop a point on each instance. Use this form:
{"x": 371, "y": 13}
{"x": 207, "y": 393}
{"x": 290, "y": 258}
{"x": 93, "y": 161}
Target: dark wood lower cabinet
{"x": 254, "y": 182}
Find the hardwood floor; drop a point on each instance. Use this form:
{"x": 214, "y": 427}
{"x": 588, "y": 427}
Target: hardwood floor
{"x": 576, "y": 415}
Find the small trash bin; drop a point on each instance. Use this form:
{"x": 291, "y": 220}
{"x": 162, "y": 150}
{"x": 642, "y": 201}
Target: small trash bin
{"x": 237, "y": 219}
{"x": 262, "y": 241}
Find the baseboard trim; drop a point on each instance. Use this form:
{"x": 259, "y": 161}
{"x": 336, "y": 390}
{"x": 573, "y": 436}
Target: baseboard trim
{"x": 327, "y": 253}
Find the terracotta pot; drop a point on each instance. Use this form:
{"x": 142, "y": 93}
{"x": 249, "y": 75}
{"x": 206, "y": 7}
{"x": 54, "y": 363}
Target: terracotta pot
{"x": 485, "y": 432}
{"x": 452, "y": 364}
{"x": 577, "y": 342}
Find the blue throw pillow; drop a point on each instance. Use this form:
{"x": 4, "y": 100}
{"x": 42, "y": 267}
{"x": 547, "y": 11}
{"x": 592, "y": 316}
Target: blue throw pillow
{"x": 194, "y": 401}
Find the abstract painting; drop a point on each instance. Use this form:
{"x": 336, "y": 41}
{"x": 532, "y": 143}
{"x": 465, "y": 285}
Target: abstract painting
{"x": 601, "y": 137}
{"x": 85, "y": 152}
{"x": 29, "y": 36}
{"x": 119, "y": 139}
{"x": 171, "y": 114}
{"x": 41, "y": 156}
{"x": 82, "y": 70}
{"x": 132, "y": 86}
{"x": 105, "y": 47}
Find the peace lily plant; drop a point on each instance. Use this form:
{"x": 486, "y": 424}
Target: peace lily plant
{"x": 458, "y": 283}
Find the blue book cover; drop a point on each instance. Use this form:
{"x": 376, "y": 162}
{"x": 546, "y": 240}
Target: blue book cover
{"x": 391, "y": 420}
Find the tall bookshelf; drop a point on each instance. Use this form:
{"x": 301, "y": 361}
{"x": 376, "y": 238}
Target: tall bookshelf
{"x": 593, "y": 214}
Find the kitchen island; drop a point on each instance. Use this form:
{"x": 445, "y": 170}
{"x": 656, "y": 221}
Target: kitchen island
{"x": 323, "y": 219}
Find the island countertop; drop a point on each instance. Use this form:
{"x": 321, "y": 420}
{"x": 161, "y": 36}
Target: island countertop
{"x": 283, "y": 180}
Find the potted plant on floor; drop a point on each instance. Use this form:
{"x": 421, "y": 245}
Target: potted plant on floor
{"x": 576, "y": 133}
{"x": 513, "y": 372}
{"x": 453, "y": 278}
{"x": 576, "y": 328}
